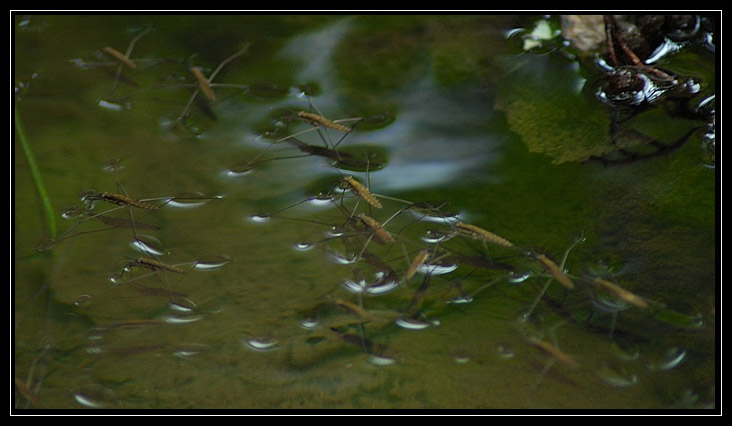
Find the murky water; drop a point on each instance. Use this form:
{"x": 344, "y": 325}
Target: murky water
{"x": 279, "y": 313}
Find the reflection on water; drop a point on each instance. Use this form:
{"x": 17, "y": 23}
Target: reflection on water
{"x": 274, "y": 287}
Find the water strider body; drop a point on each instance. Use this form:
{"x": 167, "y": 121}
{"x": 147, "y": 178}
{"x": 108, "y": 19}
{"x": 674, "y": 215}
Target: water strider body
{"x": 153, "y": 264}
{"x": 318, "y": 120}
{"x": 381, "y": 234}
{"x": 118, "y": 199}
{"x": 203, "y": 83}
{"x": 554, "y": 270}
{"x": 362, "y": 191}
{"x": 481, "y": 234}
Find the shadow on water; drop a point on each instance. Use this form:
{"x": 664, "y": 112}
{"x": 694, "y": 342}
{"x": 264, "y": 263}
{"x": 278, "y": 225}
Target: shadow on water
{"x": 356, "y": 212}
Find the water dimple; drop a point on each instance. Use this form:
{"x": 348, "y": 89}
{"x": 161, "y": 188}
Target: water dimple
{"x": 186, "y": 306}
{"x": 309, "y": 323}
{"x": 517, "y": 278}
{"x": 188, "y": 351}
{"x": 261, "y": 344}
{"x": 425, "y": 215}
{"x": 114, "y": 106}
{"x": 212, "y": 263}
{"x": 357, "y": 287}
{"x": 376, "y": 121}
{"x": 95, "y": 396}
{"x": 71, "y": 212}
{"x": 306, "y": 89}
{"x": 434, "y": 237}
{"x": 303, "y": 246}
{"x": 377, "y": 289}
{"x": 433, "y": 269}
{"x": 238, "y": 171}
{"x": 117, "y": 279}
{"x": 148, "y": 245}
{"x": 94, "y": 350}
{"x": 334, "y": 232}
{"x": 625, "y": 354}
{"x": 382, "y": 288}
{"x": 381, "y": 360}
{"x": 411, "y": 324}
{"x": 604, "y": 304}
{"x": 460, "y": 300}
{"x": 505, "y": 352}
{"x": 341, "y": 259}
{"x": 192, "y": 200}
{"x": 362, "y": 158}
{"x": 173, "y": 319}
{"x": 617, "y": 378}
{"x": 83, "y": 300}
{"x": 256, "y": 218}
{"x": 461, "y": 359}
{"x": 670, "y": 359}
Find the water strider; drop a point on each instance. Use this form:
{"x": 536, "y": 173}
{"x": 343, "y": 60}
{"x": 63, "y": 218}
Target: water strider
{"x": 120, "y": 57}
{"x": 329, "y": 149}
{"x": 123, "y": 59}
{"x": 554, "y": 269}
{"x": 419, "y": 260}
{"x": 118, "y": 199}
{"x": 177, "y": 301}
{"x": 620, "y": 292}
{"x": 554, "y": 352}
{"x": 482, "y": 234}
{"x": 152, "y": 264}
{"x": 361, "y": 191}
{"x": 112, "y": 222}
{"x": 319, "y": 120}
{"x": 205, "y": 85}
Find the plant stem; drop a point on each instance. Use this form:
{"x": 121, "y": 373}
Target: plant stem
{"x": 47, "y": 208}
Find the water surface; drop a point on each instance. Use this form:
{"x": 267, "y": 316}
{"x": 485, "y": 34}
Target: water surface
{"x": 265, "y": 329}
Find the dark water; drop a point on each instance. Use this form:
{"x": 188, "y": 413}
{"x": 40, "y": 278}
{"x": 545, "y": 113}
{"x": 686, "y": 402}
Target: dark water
{"x": 473, "y": 124}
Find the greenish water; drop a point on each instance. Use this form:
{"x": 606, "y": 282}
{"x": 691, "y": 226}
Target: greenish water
{"x": 473, "y": 125}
